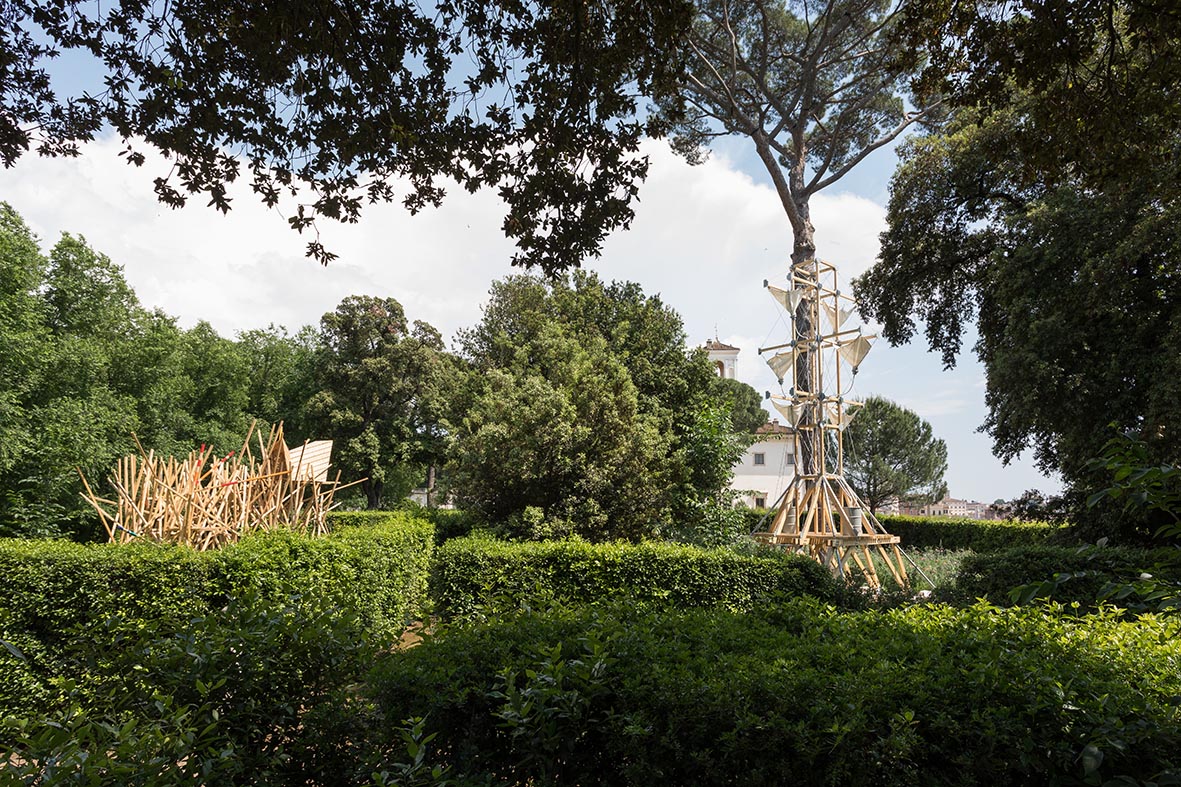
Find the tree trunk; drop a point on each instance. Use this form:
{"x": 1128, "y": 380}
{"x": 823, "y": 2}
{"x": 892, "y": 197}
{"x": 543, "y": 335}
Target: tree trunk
{"x": 372, "y": 493}
{"x": 803, "y": 264}
{"x": 794, "y": 196}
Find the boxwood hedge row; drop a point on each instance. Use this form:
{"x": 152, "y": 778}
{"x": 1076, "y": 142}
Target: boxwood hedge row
{"x": 1068, "y": 574}
{"x": 472, "y": 573}
{"x": 923, "y": 532}
{"x": 373, "y": 566}
{"x": 797, "y": 694}
{"x": 978, "y": 535}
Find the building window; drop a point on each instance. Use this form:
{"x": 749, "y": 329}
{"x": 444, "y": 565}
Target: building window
{"x": 760, "y": 502}
{"x": 760, "y": 459}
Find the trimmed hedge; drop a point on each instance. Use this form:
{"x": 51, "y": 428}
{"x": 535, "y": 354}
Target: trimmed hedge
{"x": 978, "y": 535}
{"x": 372, "y": 566}
{"x": 1083, "y": 572}
{"x": 258, "y": 692}
{"x": 796, "y": 694}
{"x": 925, "y": 532}
{"x": 375, "y": 564}
{"x": 472, "y": 573}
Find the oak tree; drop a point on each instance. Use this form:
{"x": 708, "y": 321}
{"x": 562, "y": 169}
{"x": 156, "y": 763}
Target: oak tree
{"x": 326, "y": 105}
{"x": 382, "y": 386}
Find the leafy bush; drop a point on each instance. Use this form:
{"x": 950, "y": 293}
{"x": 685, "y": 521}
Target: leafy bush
{"x": 54, "y": 587}
{"x": 452, "y": 523}
{"x": 1063, "y": 574}
{"x": 796, "y": 694}
{"x": 374, "y": 563}
{"x": 978, "y": 535}
{"x": 376, "y": 571}
{"x": 926, "y": 532}
{"x": 256, "y": 693}
{"x": 471, "y": 573}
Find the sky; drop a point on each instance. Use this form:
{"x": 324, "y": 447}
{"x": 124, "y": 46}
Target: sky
{"x": 704, "y": 238}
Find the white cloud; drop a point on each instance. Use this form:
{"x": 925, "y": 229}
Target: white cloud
{"x": 704, "y": 237}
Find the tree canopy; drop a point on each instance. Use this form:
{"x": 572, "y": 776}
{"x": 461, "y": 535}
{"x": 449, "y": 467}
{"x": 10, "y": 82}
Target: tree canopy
{"x": 86, "y": 366}
{"x": 576, "y": 401}
{"x": 892, "y": 454}
{"x": 586, "y": 393}
{"x": 1047, "y": 214}
{"x": 564, "y": 432}
{"x": 743, "y": 403}
{"x": 328, "y": 105}
{"x": 816, "y": 87}
{"x": 383, "y": 387}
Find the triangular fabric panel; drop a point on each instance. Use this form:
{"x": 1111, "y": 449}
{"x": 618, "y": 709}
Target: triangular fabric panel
{"x": 788, "y": 299}
{"x": 854, "y": 352}
{"x": 842, "y": 418}
{"x": 781, "y": 363}
{"x": 837, "y": 316}
{"x": 792, "y": 412}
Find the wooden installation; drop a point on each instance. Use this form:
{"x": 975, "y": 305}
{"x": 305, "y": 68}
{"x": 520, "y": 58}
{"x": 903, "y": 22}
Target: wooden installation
{"x": 207, "y": 501}
{"x": 819, "y": 514}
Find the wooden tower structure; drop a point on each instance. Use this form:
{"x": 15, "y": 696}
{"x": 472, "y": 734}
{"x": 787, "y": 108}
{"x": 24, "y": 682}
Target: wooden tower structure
{"x": 819, "y": 514}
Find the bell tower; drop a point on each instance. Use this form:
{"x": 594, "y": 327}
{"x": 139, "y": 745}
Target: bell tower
{"x": 723, "y": 357}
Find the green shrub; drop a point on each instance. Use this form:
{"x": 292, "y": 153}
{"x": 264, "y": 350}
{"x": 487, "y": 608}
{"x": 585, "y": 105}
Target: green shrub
{"x": 374, "y": 563}
{"x": 1082, "y": 574}
{"x": 471, "y": 573}
{"x": 371, "y": 567}
{"x": 927, "y": 532}
{"x": 453, "y": 523}
{"x": 978, "y": 535}
{"x": 54, "y": 587}
{"x": 796, "y": 694}
{"x": 256, "y": 693}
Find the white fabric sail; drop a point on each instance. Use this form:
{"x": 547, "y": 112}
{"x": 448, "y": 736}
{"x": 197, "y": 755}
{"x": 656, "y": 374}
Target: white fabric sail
{"x": 837, "y": 315}
{"x": 792, "y": 412}
{"x": 781, "y": 363}
{"x": 854, "y": 351}
{"x": 839, "y": 416}
{"x": 788, "y": 299}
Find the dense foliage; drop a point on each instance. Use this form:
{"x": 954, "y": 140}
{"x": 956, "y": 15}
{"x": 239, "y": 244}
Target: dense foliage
{"x": 1086, "y": 575}
{"x": 587, "y": 391}
{"x": 89, "y": 370}
{"x": 86, "y": 366}
{"x": 978, "y": 535}
{"x": 258, "y": 692}
{"x": 744, "y": 403}
{"x": 383, "y": 390}
{"x": 1047, "y": 214}
{"x": 891, "y": 453}
{"x": 329, "y": 105}
{"x": 612, "y": 426}
{"x": 797, "y": 694}
{"x": 374, "y": 568}
{"x": 474, "y": 574}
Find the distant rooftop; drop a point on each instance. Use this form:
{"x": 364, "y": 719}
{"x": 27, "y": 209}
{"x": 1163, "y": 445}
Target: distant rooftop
{"x": 773, "y": 427}
{"x": 714, "y": 344}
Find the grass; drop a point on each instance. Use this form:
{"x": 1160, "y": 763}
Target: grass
{"x": 940, "y": 565}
